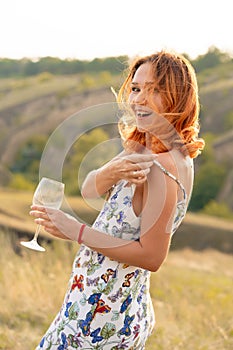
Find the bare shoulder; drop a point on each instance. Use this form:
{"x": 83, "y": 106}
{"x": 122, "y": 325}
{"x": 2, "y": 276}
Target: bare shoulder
{"x": 179, "y": 166}
{"x": 175, "y": 161}
{"x": 163, "y": 163}
{"x": 168, "y": 161}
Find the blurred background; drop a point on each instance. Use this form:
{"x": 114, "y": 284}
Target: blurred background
{"x": 58, "y": 58}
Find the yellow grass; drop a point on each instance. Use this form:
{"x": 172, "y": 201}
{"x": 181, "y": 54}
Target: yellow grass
{"x": 192, "y": 296}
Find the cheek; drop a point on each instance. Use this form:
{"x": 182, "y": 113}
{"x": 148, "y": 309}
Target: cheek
{"x": 158, "y": 104}
{"x": 130, "y": 98}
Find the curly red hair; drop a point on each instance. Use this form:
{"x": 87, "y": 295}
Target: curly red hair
{"x": 176, "y": 81}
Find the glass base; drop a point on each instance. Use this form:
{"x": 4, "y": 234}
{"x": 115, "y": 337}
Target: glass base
{"x": 33, "y": 244}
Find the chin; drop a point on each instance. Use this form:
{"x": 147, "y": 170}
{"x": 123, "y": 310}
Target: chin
{"x": 143, "y": 128}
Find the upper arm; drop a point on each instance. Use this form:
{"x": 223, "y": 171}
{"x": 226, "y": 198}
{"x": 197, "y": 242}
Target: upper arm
{"x": 159, "y": 202}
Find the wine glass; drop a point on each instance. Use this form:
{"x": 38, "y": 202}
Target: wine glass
{"x": 49, "y": 193}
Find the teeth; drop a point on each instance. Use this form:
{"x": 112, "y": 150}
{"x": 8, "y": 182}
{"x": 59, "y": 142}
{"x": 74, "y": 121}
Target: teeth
{"x": 140, "y": 114}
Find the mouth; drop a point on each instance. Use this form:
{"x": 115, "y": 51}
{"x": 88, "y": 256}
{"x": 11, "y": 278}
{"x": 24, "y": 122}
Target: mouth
{"x": 142, "y": 114}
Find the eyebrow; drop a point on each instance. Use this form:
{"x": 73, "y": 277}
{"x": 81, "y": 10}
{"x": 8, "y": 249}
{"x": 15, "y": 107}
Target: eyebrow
{"x": 149, "y": 85}
{"x": 146, "y": 83}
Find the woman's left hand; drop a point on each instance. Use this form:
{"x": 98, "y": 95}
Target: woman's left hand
{"x": 56, "y": 222}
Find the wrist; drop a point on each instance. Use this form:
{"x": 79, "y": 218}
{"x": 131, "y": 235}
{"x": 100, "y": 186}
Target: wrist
{"x": 113, "y": 171}
{"x": 108, "y": 174}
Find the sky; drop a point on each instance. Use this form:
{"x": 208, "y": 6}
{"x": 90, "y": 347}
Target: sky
{"x": 88, "y": 29}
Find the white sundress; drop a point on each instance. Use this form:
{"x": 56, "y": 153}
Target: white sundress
{"x": 107, "y": 305}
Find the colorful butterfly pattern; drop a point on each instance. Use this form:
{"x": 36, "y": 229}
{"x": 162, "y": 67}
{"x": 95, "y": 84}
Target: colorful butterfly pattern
{"x": 128, "y": 277}
{"x": 107, "y": 304}
{"x": 78, "y": 283}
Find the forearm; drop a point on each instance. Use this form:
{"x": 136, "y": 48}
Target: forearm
{"x": 113, "y": 247}
{"x": 133, "y": 253}
{"x": 98, "y": 182}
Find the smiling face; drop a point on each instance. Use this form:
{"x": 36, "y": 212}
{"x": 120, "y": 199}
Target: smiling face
{"x": 144, "y": 97}
{"x": 162, "y": 92}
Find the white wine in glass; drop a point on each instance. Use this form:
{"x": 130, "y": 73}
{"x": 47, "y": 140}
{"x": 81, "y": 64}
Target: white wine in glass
{"x": 49, "y": 193}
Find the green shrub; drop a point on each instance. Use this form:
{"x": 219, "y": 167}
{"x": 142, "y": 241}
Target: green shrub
{"x": 19, "y": 182}
{"x": 45, "y": 76}
{"x": 207, "y": 184}
{"x": 217, "y": 209}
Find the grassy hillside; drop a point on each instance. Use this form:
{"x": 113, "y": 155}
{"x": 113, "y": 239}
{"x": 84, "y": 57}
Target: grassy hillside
{"x": 198, "y": 232}
{"x": 35, "y": 107}
{"x": 216, "y": 101}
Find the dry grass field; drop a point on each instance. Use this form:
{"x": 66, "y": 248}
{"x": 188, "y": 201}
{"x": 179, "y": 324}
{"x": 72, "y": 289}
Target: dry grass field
{"x": 192, "y": 296}
{"x": 192, "y": 292}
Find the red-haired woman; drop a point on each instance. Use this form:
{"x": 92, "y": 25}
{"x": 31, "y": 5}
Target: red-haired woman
{"x": 107, "y": 304}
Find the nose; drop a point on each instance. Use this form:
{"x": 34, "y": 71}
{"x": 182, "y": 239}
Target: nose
{"x": 140, "y": 98}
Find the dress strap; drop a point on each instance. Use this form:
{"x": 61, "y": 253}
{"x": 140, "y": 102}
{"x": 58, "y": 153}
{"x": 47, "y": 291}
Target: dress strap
{"x": 166, "y": 172}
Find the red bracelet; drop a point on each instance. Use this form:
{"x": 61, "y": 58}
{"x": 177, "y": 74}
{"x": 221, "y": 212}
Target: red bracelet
{"x": 81, "y": 233}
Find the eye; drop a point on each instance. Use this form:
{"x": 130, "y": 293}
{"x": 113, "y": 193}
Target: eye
{"x": 135, "y": 89}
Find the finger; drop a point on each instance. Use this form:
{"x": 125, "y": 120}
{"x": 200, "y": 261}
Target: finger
{"x": 138, "y": 181}
{"x": 44, "y": 223}
{"x": 38, "y": 208}
{"x": 141, "y": 166}
{"x": 50, "y": 231}
{"x": 140, "y": 173}
{"x": 48, "y": 227}
{"x": 39, "y": 214}
{"x": 137, "y": 158}
{"x": 40, "y": 221}
{"x": 43, "y": 209}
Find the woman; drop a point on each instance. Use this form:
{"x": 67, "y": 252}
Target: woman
{"x": 107, "y": 304}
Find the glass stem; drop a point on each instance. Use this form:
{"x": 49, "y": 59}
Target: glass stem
{"x": 38, "y": 227}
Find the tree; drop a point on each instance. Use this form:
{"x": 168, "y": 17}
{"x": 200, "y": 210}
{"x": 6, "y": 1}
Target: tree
{"x": 211, "y": 59}
{"x": 208, "y": 182}
{"x": 28, "y": 158}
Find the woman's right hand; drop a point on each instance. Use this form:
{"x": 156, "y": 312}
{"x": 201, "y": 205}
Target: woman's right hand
{"x": 133, "y": 168}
